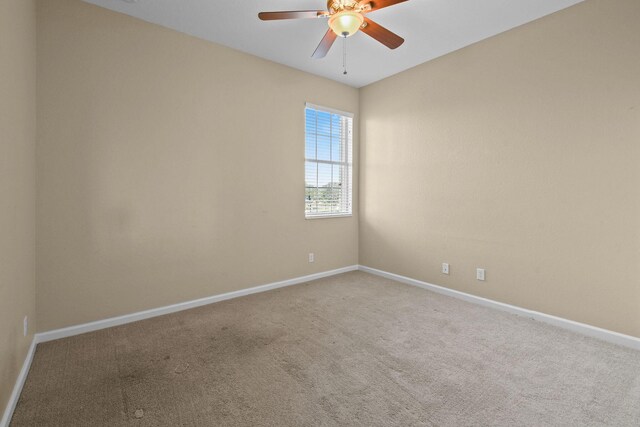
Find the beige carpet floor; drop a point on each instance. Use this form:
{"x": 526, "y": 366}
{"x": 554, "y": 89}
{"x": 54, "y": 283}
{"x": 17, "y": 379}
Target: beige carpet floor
{"x": 353, "y": 349}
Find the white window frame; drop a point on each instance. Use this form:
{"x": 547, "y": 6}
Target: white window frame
{"x": 347, "y": 152}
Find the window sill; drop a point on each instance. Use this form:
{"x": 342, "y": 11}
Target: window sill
{"x": 325, "y": 216}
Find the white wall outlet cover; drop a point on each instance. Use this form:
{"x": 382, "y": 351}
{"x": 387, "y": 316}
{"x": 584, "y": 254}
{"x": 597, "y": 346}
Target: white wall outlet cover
{"x": 26, "y": 326}
{"x": 445, "y": 268}
{"x": 312, "y": 257}
{"x": 480, "y": 273}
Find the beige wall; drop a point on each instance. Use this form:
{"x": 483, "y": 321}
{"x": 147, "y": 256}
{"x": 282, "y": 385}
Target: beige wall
{"x": 169, "y": 168}
{"x": 520, "y": 154}
{"x": 17, "y": 186}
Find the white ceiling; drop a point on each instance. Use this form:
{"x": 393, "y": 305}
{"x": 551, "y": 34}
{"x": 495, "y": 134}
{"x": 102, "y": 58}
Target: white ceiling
{"x": 431, "y": 28}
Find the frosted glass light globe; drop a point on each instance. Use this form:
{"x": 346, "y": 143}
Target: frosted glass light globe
{"x": 346, "y": 23}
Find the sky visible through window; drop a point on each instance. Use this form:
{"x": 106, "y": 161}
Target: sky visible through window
{"x": 326, "y": 141}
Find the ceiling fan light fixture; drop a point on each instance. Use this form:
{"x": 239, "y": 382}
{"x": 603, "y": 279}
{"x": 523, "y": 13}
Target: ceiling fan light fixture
{"x": 346, "y": 23}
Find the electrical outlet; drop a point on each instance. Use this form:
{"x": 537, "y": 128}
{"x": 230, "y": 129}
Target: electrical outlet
{"x": 445, "y": 268}
{"x": 26, "y": 325}
{"x": 480, "y": 273}
{"x": 312, "y": 257}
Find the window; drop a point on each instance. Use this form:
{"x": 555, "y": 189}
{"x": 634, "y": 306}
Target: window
{"x": 328, "y": 163}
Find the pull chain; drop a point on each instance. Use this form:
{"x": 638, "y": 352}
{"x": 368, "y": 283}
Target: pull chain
{"x": 344, "y": 53}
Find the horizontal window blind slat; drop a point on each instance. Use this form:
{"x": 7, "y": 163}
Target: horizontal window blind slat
{"x": 315, "y": 107}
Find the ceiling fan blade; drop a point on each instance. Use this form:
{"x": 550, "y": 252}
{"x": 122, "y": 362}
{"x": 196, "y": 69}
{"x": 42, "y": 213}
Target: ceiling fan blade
{"x": 325, "y": 45}
{"x": 293, "y": 14}
{"x": 384, "y": 36}
{"x": 379, "y": 4}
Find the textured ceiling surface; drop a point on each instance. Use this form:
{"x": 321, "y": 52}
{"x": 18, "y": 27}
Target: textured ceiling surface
{"x": 431, "y": 28}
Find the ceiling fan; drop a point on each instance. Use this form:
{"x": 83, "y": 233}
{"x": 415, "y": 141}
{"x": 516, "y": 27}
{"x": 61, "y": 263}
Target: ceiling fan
{"x": 346, "y": 17}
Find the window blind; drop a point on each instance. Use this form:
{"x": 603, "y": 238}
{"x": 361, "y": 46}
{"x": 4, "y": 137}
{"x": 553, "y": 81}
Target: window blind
{"x": 328, "y": 162}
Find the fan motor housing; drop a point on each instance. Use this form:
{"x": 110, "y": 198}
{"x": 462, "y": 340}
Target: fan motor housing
{"x": 335, "y": 6}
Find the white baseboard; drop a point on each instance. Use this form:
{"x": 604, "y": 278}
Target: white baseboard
{"x": 146, "y": 314}
{"x": 581, "y": 328}
{"x": 17, "y": 388}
